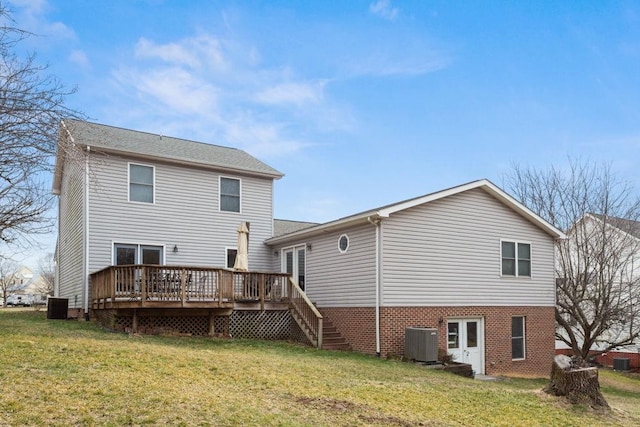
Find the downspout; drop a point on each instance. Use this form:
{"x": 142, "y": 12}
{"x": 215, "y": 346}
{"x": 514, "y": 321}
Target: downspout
{"x": 86, "y": 234}
{"x": 376, "y": 222}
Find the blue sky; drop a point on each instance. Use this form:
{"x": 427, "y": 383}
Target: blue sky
{"x": 359, "y": 103}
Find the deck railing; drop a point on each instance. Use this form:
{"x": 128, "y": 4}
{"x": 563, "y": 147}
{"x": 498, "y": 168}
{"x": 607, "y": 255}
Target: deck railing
{"x": 156, "y": 283}
{"x": 305, "y": 313}
{"x": 144, "y": 285}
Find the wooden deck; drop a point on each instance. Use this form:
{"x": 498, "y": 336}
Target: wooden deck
{"x": 161, "y": 289}
{"x": 154, "y": 286}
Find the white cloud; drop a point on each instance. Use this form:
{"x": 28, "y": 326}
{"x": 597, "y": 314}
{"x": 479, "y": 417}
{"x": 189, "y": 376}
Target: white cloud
{"x": 220, "y": 92}
{"x": 383, "y": 9}
{"x": 30, "y": 15}
{"x": 390, "y": 64}
{"x": 292, "y": 93}
{"x": 80, "y": 59}
{"x": 173, "y": 87}
{"x": 194, "y": 52}
{"x": 263, "y": 140}
{"x": 31, "y": 6}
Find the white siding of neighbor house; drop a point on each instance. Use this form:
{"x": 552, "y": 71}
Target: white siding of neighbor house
{"x": 71, "y": 235}
{"x": 185, "y": 214}
{"x": 340, "y": 279}
{"x": 447, "y": 252}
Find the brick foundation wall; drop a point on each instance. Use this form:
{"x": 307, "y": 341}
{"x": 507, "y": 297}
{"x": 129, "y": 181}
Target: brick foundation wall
{"x": 606, "y": 359}
{"x": 357, "y": 325}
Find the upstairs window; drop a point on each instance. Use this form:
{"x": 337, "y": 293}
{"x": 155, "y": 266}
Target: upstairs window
{"x": 229, "y": 195}
{"x": 141, "y": 183}
{"x": 516, "y": 259}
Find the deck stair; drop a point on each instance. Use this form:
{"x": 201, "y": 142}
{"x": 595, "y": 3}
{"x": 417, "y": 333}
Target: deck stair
{"x": 331, "y": 337}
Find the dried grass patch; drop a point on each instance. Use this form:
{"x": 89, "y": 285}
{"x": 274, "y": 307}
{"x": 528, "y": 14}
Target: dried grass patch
{"x": 63, "y": 373}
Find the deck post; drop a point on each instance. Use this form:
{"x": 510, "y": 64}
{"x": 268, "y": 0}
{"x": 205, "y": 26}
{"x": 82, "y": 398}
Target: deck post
{"x": 219, "y": 274}
{"x": 262, "y": 292}
{"x": 112, "y": 287}
{"x": 212, "y": 323}
{"x": 134, "y": 322}
{"x": 143, "y": 286}
{"x": 183, "y": 286}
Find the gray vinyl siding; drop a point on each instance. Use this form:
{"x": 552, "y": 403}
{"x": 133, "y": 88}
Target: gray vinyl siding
{"x": 185, "y": 213}
{"x": 335, "y": 279}
{"x": 71, "y": 235}
{"x": 447, "y": 253}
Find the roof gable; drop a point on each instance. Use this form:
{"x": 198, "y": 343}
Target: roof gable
{"x": 627, "y": 226}
{"x": 116, "y": 140}
{"x": 385, "y": 211}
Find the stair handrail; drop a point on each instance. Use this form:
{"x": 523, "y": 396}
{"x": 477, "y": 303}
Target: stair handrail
{"x": 307, "y": 312}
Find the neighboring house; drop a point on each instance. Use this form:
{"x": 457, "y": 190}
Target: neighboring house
{"x": 470, "y": 261}
{"x": 607, "y": 250}
{"x": 128, "y": 197}
{"x": 138, "y": 210}
{"x": 26, "y": 289}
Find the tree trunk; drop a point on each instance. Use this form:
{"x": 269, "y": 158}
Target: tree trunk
{"x": 580, "y": 386}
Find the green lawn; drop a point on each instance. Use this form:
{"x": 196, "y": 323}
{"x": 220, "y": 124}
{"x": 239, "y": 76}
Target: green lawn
{"x": 74, "y": 373}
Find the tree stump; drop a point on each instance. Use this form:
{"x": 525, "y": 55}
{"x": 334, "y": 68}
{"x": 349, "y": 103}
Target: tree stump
{"x": 579, "y": 385}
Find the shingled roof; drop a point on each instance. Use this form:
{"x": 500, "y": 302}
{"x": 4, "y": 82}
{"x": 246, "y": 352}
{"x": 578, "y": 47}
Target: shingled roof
{"x": 365, "y": 217}
{"x": 117, "y": 140}
{"x": 627, "y": 225}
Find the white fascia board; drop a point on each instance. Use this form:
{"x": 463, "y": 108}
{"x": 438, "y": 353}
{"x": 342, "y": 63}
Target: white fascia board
{"x": 326, "y": 227}
{"x": 490, "y": 188}
{"x": 524, "y": 211}
{"x": 188, "y": 163}
{"x": 386, "y": 211}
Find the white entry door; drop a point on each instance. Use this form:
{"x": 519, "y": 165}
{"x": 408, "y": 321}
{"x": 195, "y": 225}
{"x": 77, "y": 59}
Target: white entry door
{"x": 465, "y": 342}
{"x": 293, "y": 262}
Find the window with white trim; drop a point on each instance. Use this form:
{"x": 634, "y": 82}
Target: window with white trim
{"x": 516, "y": 259}
{"x": 343, "y": 243}
{"x": 133, "y": 253}
{"x": 229, "y": 194}
{"x": 141, "y": 183}
{"x": 517, "y": 337}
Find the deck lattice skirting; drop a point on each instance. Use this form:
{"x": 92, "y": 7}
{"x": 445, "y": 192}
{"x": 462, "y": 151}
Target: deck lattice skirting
{"x": 246, "y": 324}
{"x": 151, "y": 299}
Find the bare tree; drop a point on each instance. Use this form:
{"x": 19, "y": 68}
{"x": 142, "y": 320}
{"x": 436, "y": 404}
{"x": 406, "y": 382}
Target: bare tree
{"x": 597, "y": 266}
{"x": 31, "y": 107}
{"x": 8, "y": 278}
{"x": 46, "y": 268}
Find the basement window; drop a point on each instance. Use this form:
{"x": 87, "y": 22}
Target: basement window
{"x": 517, "y": 338}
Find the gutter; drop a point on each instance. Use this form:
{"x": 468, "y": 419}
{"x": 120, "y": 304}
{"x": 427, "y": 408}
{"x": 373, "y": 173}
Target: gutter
{"x": 86, "y": 235}
{"x": 376, "y": 222}
{"x": 327, "y": 227}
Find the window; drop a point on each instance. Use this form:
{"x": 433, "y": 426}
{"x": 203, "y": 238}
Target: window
{"x": 141, "y": 183}
{"x": 343, "y": 243}
{"x": 453, "y": 335}
{"x": 231, "y": 257}
{"x": 517, "y": 337}
{"x": 516, "y": 259}
{"x": 229, "y": 195}
{"x": 125, "y": 254}
{"x": 129, "y": 254}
